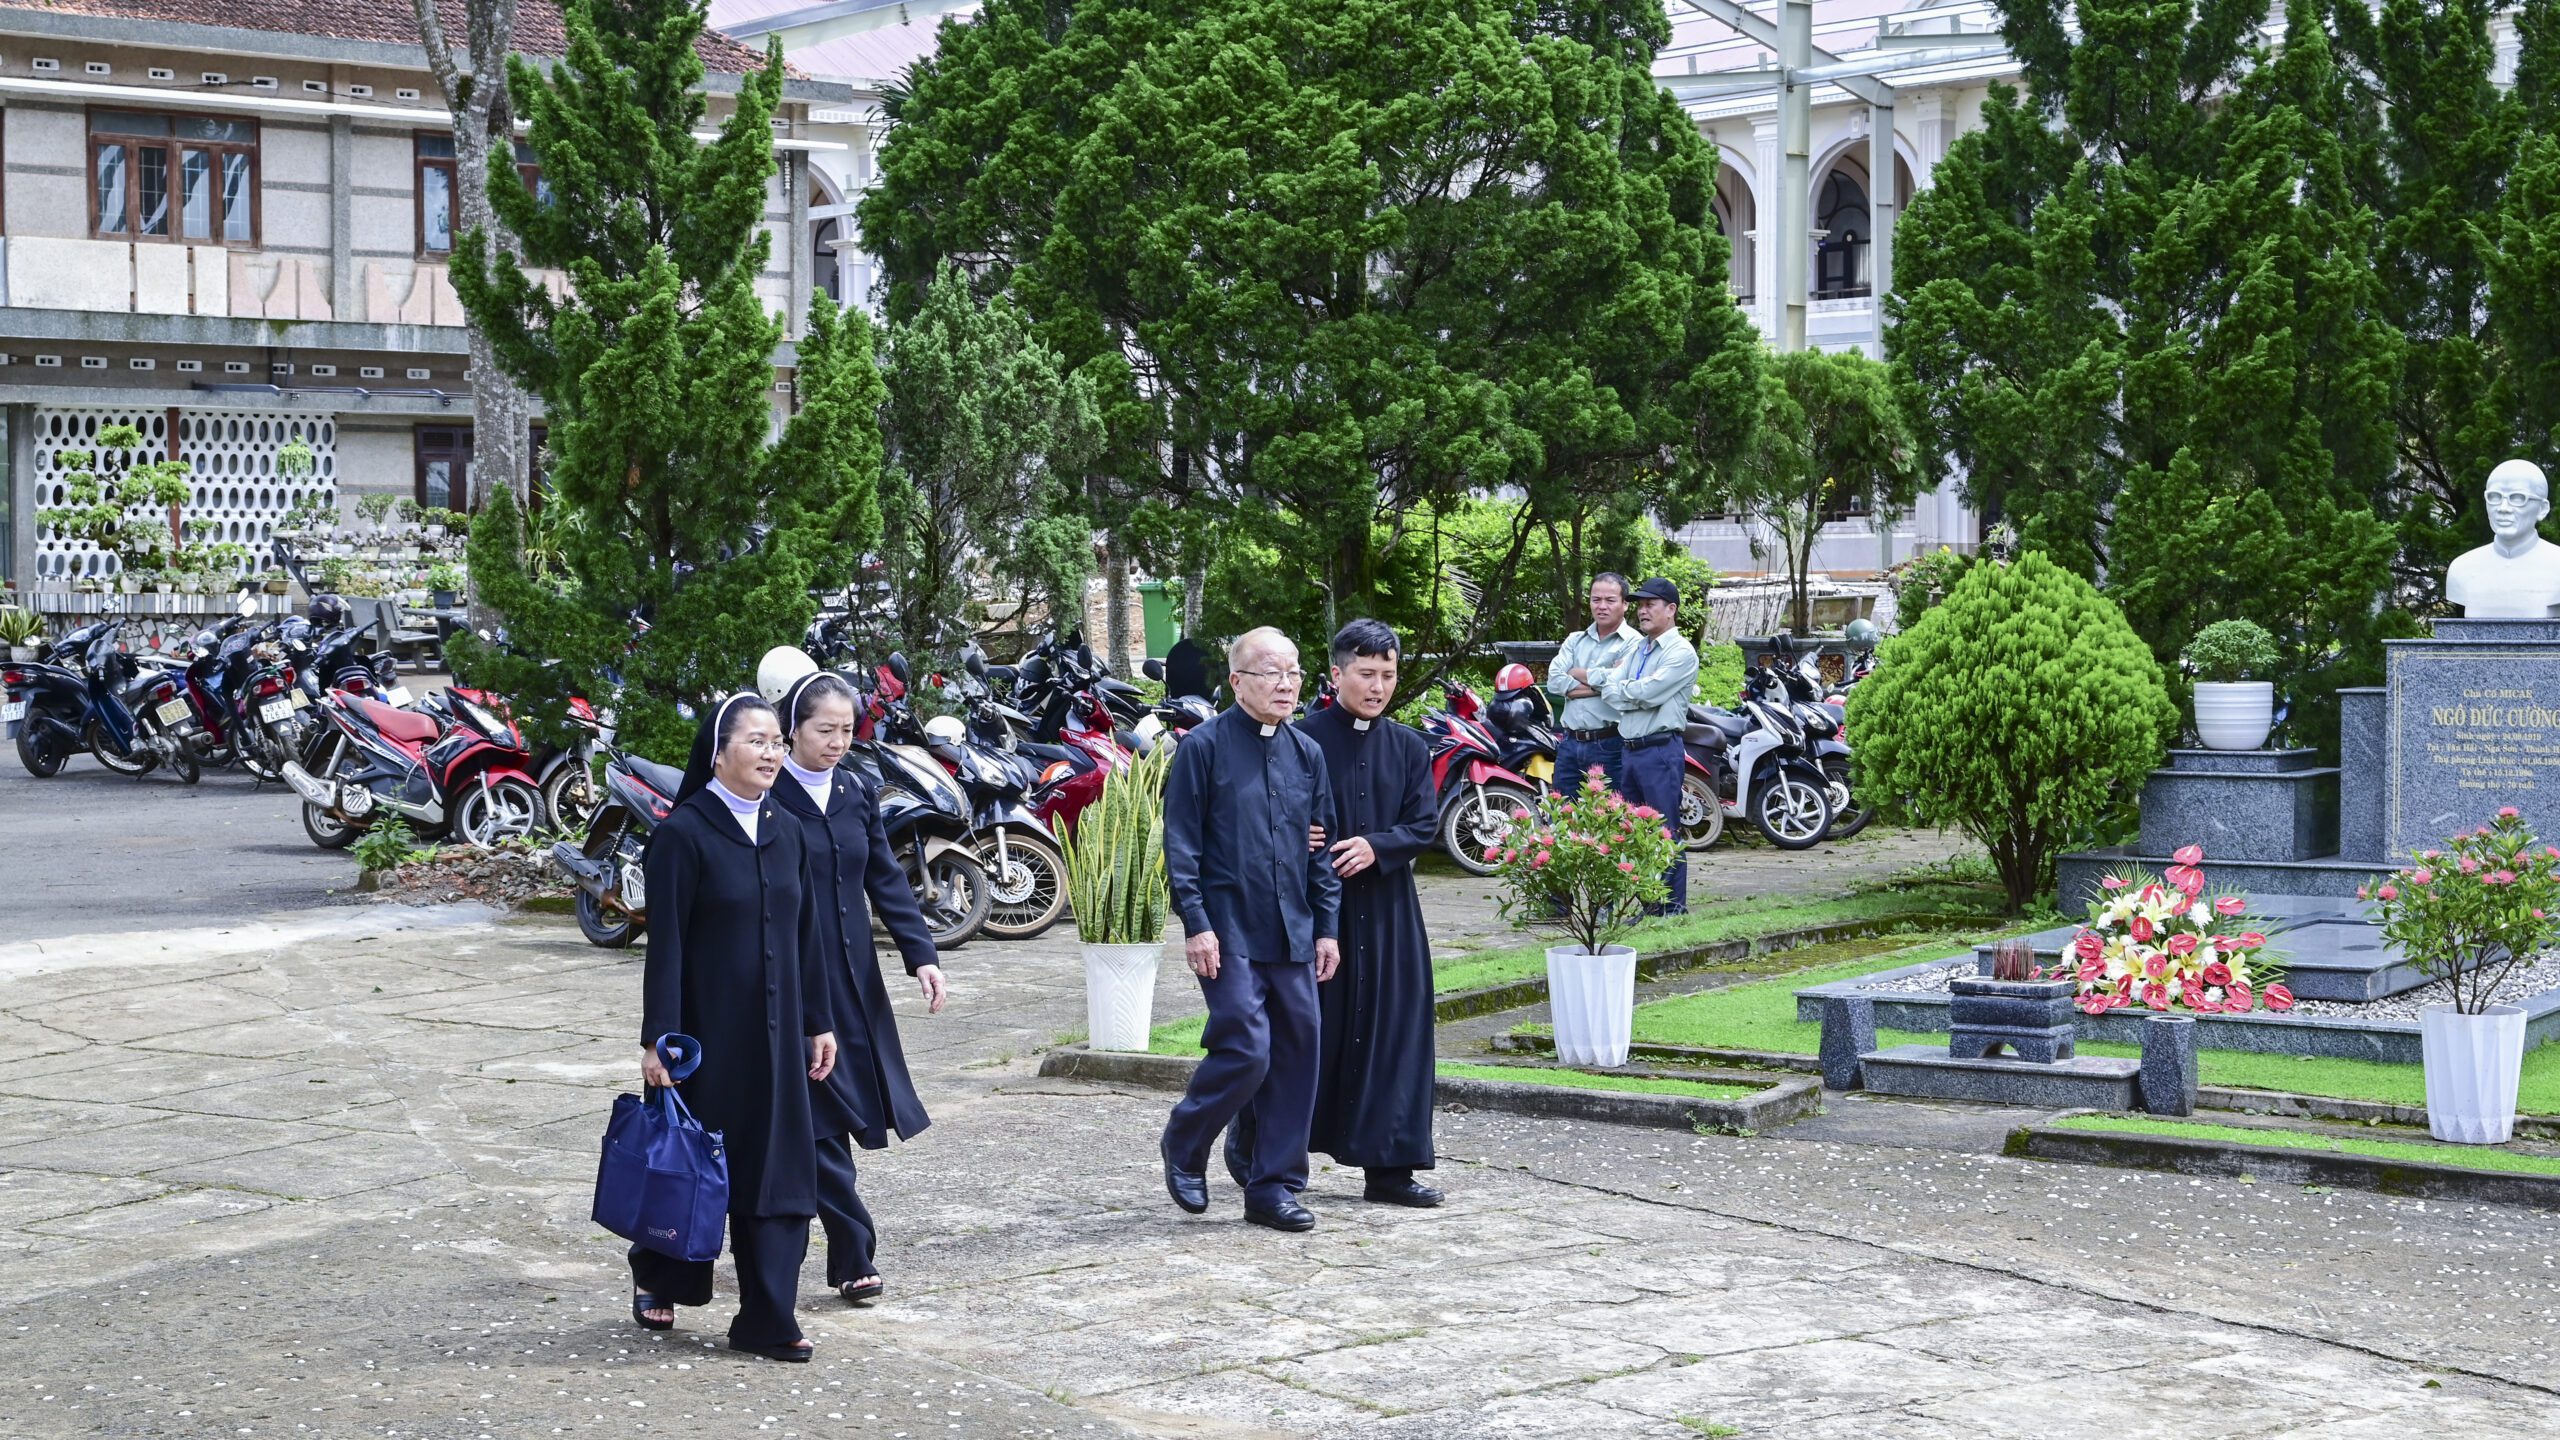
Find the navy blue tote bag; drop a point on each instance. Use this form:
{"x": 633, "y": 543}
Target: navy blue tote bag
{"x": 663, "y": 1183}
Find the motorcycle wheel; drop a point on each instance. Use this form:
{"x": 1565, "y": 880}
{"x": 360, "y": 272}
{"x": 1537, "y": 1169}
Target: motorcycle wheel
{"x": 490, "y": 815}
{"x": 1472, "y": 829}
{"x": 326, "y": 830}
{"x": 606, "y": 929}
{"x": 1030, "y": 893}
{"x": 96, "y": 739}
{"x": 41, "y": 754}
{"x": 263, "y": 757}
{"x": 1848, "y": 817}
{"x": 1701, "y": 813}
{"x": 570, "y": 796}
{"x": 1792, "y": 812}
{"x": 183, "y": 764}
{"x": 962, "y": 894}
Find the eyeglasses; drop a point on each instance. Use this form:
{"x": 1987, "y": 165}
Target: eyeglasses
{"x": 1276, "y": 677}
{"x": 764, "y": 747}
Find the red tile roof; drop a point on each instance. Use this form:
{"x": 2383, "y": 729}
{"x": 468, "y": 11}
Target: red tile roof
{"x": 392, "y": 22}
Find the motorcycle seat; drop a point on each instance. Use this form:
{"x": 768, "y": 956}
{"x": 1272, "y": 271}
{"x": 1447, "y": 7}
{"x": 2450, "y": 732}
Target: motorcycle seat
{"x": 662, "y": 778}
{"x": 403, "y": 725}
{"x": 1710, "y": 726}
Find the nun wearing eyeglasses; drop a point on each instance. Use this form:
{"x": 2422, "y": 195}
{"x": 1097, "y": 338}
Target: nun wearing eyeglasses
{"x": 853, "y": 876}
{"x": 734, "y": 961}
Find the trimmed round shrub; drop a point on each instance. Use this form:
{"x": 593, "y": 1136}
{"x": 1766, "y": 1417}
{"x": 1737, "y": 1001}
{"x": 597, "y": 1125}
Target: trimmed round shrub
{"x": 2017, "y": 710}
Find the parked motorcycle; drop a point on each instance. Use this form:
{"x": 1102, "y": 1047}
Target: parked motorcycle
{"x": 100, "y": 698}
{"x": 471, "y": 779}
{"x": 1791, "y": 680}
{"x": 1025, "y": 868}
{"x": 1755, "y": 765}
{"x": 1481, "y": 799}
{"x": 613, "y": 900}
{"x": 1525, "y": 722}
{"x": 923, "y": 809}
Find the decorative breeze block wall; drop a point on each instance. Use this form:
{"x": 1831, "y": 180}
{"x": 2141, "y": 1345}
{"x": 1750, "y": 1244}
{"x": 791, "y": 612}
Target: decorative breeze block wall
{"x": 232, "y": 454}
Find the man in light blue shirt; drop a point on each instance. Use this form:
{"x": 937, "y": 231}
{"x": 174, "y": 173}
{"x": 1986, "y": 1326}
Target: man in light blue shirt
{"x": 1587, "y": 726}
{"x": 1650, "y": 692}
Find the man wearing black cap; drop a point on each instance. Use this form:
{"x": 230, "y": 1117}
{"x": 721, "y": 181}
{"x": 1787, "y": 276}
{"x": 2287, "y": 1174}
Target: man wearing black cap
{"x": 1651, "y": 691}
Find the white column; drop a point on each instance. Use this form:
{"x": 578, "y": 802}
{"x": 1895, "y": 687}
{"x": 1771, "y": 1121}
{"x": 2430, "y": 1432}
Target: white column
{"x": 1882, "y": 196}
{"x": 1795, "y": 172}
{"x": 1764, "y": 226}
{"x": 1929, "y": 137}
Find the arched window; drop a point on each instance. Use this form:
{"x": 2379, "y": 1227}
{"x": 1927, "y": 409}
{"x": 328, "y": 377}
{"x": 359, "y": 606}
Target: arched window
{"x": 1840, "y": 261}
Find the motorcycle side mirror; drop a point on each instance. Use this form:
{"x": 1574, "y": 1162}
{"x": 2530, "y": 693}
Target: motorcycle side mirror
{"x": 898, "y": 667}
{"x": 977, "y": 663}
{"x": 1153, "y": 669}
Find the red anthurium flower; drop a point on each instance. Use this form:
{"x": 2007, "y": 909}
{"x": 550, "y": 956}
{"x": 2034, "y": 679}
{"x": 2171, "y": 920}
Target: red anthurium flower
{"x": 2092, "y": 969}
{"x": 2142, "y": 928}
{"x": 2279, "y": 998}
{"x": 2237, "y": 999}
{"x": 2229, "y": 905}
{"x": 2156, "y": 966}
{"x": 2189, "y": 855}
{"x": 2182, "y": 944}
{"x": 2156, "y": 995}
{"x": 2113, "y": 882}
{"x": 2217, "y": 973}
{"x": 2251, "y": 939}
{"x": 2089, "y": 947}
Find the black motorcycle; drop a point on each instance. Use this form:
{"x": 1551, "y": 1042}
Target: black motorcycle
{"x": 613, "y": 899}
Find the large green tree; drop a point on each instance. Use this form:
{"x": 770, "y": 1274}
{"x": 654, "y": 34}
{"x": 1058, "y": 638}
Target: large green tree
{"x": 1327, "y": 262}
{"x": 1831, "y": 438}
{"x": 2142, "y": 313}
{"x": 2522, "y": 253}
{"x": 658, "y": 369}
{"x": 985, "y": 437}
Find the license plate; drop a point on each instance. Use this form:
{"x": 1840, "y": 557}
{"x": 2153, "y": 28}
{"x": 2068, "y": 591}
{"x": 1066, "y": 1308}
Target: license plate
{"x": 172, "y": 711}
{"x": 1541, "y": 768}
{"x": 13, "y": 712}
{"x": 399, "y": 696}
{"x": 275, "y": 710}
{"x": 300, "y": 700}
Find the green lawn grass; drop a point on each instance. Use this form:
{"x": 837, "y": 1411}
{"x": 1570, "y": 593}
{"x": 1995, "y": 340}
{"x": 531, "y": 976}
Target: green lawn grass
{"x": 1586, "y": 1080}
{"x": 1762, "y": 1016}
{"x": 2467, "y": 1157}
{"x": 1723, "y": 920}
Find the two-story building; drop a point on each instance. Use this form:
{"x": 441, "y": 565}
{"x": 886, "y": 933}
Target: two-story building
{"x": 229, "y": 223}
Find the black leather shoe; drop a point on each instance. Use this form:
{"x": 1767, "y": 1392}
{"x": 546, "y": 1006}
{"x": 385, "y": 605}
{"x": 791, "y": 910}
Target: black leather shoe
{"x": 1407, "y": 1191}
{"x": 1189, "y": 1189}
{"x": 1287, "y": 1215}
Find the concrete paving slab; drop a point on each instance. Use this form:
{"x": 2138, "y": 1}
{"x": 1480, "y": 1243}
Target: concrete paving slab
{"x": 165, "y": 1140}
{"x": 175, "y": 1210}
{"x": 314, "y": 1170}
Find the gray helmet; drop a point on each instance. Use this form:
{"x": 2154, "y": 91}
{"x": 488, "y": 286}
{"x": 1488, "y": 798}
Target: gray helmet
{"x": 1863, "y": 632}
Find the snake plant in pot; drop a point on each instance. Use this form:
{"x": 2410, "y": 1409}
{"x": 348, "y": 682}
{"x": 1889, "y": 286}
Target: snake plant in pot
{"x": 1116, "y": 882}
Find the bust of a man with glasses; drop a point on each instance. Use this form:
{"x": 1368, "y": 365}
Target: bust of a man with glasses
{"x": 2516, "y": 576}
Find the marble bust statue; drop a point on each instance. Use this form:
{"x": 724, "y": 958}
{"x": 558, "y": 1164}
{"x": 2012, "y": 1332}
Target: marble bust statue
{"x": 2517, "y": 574}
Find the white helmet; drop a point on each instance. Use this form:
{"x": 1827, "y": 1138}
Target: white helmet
{"x": 945, "y": 730}
{"x": 780, "y": 666}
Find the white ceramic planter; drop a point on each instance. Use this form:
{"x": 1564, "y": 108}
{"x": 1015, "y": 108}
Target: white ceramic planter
{"x": 2235, "y": 715}
{"x": 2473, "y": 1064}
{"x": 1120, "y": 995}
{"x": 1593, "y": 1003}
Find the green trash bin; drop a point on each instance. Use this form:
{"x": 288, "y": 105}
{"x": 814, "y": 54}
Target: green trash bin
{"x": 1156, "y": 599}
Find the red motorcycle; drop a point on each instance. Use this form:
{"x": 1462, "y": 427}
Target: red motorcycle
{"x": 1481, "y": 800}
{"x": 471, "y": 778}
{"x": 565, "y": 775}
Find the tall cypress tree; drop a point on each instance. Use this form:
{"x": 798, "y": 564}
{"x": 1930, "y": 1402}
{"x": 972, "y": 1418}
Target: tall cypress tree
{"x": 2522, "y": 243}
{"x": 683, "y": 507}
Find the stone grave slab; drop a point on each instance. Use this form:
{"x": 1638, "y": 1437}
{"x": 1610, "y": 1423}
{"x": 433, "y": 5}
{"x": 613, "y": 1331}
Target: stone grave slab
{"x": 2344, "y": 960}
{"x": 1929, "y": 1072}
{"x": 2471, "y": 725}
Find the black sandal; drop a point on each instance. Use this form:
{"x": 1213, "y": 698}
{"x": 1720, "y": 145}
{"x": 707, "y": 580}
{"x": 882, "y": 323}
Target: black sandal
{"x": 787, "y": 1354}
{"x": 862, "y": 1291}
{"x": 643, "y": 1302}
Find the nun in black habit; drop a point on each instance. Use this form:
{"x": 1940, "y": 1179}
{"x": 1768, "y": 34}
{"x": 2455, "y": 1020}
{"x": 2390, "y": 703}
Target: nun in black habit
{"x": 853, "y": 874}
{"x": 734, "y": 961}
{"x": 1374, "y": 1073}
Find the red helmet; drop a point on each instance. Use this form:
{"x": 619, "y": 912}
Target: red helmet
{"x": 1514, "y": 676}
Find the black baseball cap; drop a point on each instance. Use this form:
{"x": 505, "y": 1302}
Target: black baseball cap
{"x": 1657, "y": 588}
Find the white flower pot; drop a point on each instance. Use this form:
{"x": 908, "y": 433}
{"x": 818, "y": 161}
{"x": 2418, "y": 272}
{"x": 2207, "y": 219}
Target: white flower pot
{"x": 2473, "y": 1064}
{"x": 1592, "y": 999}
{"x": 22, "y": 653}
{"x": 2235, "y": 715}
{"x": 1120, "y": 995}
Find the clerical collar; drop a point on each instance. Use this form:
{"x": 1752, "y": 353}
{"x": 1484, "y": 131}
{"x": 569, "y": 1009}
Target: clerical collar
{"x": 1270, "y": 730}
{"x": 731, "y": 799}
{"x": 1359, "y": 724}
{"x": 806, "y": 777}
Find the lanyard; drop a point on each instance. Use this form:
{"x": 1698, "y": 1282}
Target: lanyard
{"x": 1644, "y": 658}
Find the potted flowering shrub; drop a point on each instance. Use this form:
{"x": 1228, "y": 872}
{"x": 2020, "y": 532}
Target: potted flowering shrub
{"x": 2469, "y": 914}
{"x": 1589, "y": 864}
{"x": 1116, "y": 883}
{"x": 2233, "y": 711}
{"x": 2170, "y": 942}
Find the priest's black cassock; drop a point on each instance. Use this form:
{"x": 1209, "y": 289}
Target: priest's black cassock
{"x": 1373, "y": 1084}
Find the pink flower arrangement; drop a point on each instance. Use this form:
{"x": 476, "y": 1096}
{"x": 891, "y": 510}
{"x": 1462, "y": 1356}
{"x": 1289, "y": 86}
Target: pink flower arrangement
{"x": 1592, "y": 862}
{"x": 2168, "y": 943}
{"x": 2472, "y": 923}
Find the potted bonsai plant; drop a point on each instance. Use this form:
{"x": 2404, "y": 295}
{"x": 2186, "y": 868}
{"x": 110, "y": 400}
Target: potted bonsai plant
{"x": 444, "y": 582}
{"x": 1589, "y": 864}
{"x": 278, "y": 583}
{"x": 1116, "y": 884}
{"x": 2233, "y": 711}
{"x": 2469, "y": 914}
{"x": 19, "y": 631}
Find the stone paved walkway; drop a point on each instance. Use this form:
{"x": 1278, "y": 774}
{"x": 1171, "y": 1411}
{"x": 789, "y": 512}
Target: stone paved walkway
{"x": 329, "y": 1177}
